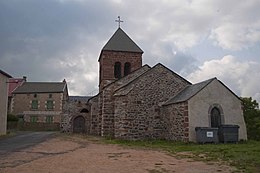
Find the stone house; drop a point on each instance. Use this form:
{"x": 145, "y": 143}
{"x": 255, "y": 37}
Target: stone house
{"x": 4, "y": 78}
{"x": 40, "y": 102}
{"x": 137, "y": 101}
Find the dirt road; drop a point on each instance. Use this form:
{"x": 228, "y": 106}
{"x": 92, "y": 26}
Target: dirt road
{"x": 23, "y": 140}
{"x": 64, "y": 154}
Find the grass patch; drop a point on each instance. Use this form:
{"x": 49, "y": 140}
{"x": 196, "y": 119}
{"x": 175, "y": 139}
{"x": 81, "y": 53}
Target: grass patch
{"x": 244, "y": 155}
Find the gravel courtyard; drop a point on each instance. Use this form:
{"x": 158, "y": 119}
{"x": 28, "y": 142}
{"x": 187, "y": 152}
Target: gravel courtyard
{"x": 66, "y": 154}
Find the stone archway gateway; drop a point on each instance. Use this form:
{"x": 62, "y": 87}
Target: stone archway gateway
{"x": 79, "y": 124}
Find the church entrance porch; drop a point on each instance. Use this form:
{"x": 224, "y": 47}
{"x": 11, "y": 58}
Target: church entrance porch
{"x": 79, "y": 124}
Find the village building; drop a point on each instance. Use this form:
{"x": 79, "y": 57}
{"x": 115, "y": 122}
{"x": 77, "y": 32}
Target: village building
{"x": 40, "y": 102}
{"x": 137, "y": 101}
{"x": 4, "y": 78}
{"x": 12, "y": 85}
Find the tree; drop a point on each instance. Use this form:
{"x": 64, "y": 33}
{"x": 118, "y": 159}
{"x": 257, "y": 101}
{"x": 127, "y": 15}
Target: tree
{"x": 252, "y": 117}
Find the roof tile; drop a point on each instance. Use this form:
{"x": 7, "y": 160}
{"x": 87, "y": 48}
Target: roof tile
{"x": 120, "y": 41}
{"x": 40, "y": 87}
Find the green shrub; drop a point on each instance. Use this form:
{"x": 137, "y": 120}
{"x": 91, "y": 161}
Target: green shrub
{"x": 11, "y": 117}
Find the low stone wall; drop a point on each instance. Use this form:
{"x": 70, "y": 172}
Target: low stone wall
{"x": 27, "y": 126}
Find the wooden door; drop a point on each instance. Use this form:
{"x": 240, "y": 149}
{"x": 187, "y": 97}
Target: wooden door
{"x": 79, "y": 124}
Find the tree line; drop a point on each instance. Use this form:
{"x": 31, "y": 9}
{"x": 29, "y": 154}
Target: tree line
{"x": 252, "y": 117}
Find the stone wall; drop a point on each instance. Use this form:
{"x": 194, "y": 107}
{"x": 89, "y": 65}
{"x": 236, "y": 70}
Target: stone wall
{"x": 103, "y": 119}
{"x": 23, "y": 102}
{"x": 95, "y": 117}
{"x": 176, "y": 121}
{"x": 42, "y": 116}
{"x": 107, "y": 116}
{"x": 76, "y": 106}
{"x": 38, "y": 126}
{"x": 137, "y": 105}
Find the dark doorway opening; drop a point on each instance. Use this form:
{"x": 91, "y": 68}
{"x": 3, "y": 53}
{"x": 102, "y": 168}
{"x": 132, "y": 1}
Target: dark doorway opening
{"x": 215, "y": 117}
{"x": 79, "y": 124}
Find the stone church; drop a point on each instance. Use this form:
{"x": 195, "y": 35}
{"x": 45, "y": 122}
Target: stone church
{"x": 137, "y": 101}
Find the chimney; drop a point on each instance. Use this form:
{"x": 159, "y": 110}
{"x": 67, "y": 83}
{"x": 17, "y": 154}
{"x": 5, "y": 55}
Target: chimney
{"x": 24, "y": 78}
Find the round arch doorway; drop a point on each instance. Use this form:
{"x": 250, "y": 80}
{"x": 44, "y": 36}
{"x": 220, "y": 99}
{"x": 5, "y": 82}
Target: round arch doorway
{"x": 79, "y": 124}
{"x": 215, "y": 117}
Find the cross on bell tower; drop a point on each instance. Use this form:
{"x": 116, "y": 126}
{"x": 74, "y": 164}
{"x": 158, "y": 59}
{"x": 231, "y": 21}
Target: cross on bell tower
{"x": 119, "y": 21}
{"x": 119, "y": 57}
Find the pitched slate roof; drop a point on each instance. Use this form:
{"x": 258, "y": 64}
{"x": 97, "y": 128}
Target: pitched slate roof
{"x": 123, "y": 90}
{"x": 41, "y": 87}
{"x": 131, "y": 76}
{"x": 188, "y": 92}
{"x": 120, "y": 41}
{"x": 79, "y": 98}
{"x": 6, "y": 74}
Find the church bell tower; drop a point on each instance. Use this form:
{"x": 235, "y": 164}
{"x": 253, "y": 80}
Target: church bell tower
{"x": 119, "y": 57}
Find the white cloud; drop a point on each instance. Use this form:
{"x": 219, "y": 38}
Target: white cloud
{"x": 183, "y": 24}
{"x": 236, "y": 36}
{"x": 241, "y": 76}
{"x": 238, "y": 26}
{"x": 60, "y": 39}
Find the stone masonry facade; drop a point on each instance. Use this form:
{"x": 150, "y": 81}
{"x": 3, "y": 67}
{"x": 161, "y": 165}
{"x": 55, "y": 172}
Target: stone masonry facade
{"x": 22, "y": 105}
{"x": 131, "y": 107}
{"x": 138, "y": 105}
{"x": 73, "y": 108}
{"x": 102, "y": 105}
{"x": 109, "y": 58}
{"x": 176, "y": 121}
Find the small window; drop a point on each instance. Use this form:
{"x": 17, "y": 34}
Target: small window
{"x": 34, "y": 104}
{"x": 50, "y": 96}
{"x": 49, "y": 104}
{"x": 117, "y": 70}
{"x": 35, "y": 95}
{"x": 49, "y": 119}
{"x": 127, "y": 68}
{"x": 33, "y": 119}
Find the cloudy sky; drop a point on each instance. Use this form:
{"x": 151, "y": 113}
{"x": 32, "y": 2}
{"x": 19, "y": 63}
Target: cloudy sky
{"x": 49, "y": 40}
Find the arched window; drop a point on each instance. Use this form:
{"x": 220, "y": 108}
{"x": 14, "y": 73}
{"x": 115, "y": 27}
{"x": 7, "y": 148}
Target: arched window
{"x": 127, "y": 68}
{"x": 84, "y": 110}
{"x": 117, "y": 70}
{"x": 215, "y": 117}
